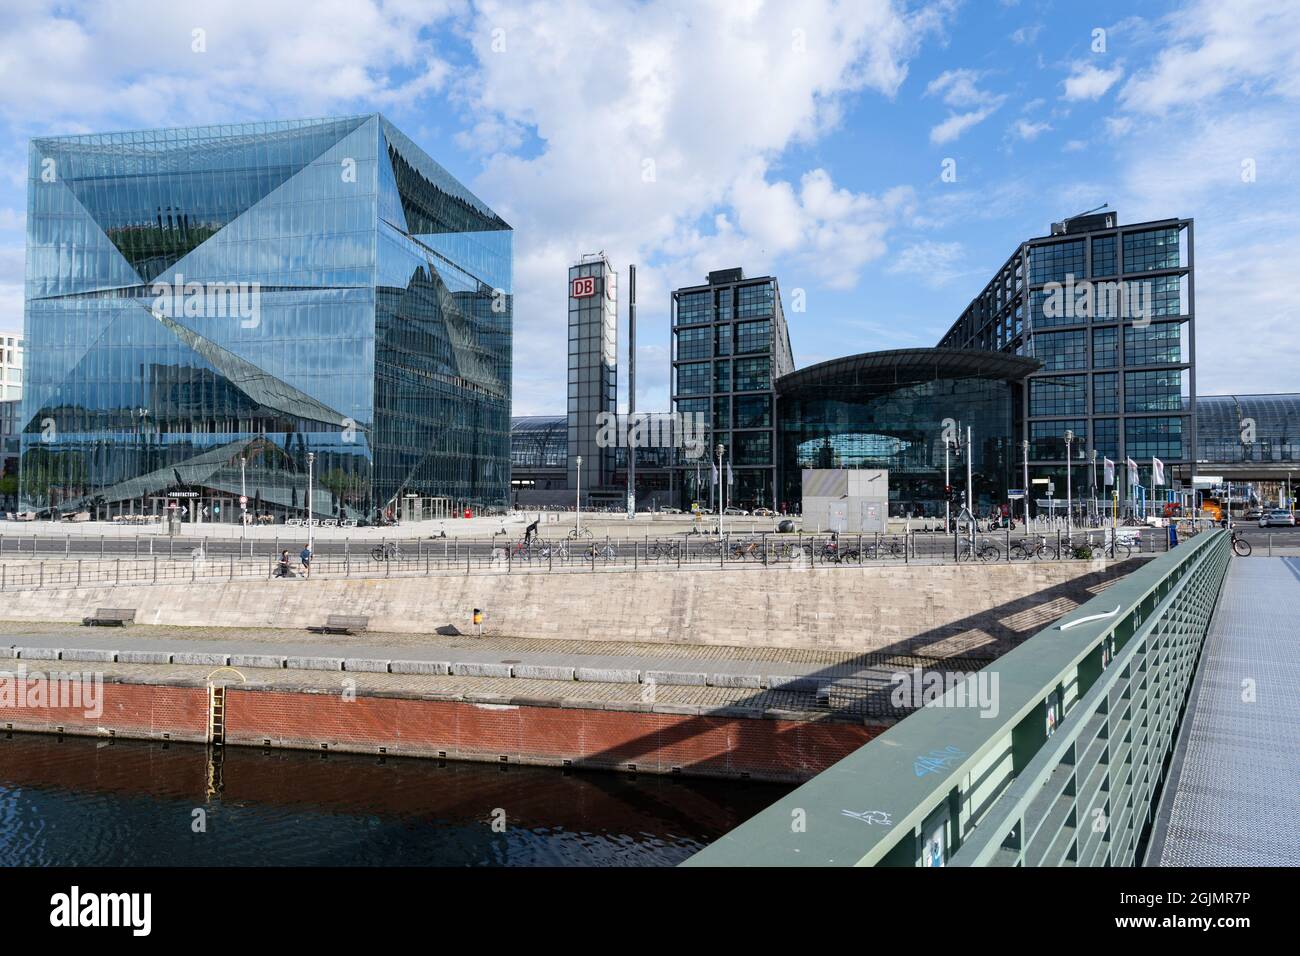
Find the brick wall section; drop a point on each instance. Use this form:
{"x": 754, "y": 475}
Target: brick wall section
{"x": 656, "y": 743}
{"x": 132, "y": 710}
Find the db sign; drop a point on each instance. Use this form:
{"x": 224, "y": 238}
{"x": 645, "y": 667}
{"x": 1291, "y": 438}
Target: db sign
{"x": 583, "y": 288}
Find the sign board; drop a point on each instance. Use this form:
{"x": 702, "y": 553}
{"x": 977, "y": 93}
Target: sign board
{"x": 1207, "y": 481}
{"x": 182, "y": 494}
{"x": 583, "y": 287}
{"x": 243, "y": 501}
{"x": 1039, "y": 481}
{"x": 1015, "y": 493}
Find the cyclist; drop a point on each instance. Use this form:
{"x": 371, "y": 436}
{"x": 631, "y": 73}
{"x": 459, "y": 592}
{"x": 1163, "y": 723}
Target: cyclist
{"x": 531, "y": 532}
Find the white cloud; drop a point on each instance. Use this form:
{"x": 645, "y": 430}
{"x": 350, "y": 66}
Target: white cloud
{"x": 1248, "y": 47}
{"x": 935, "y": 263}
{"x": 958, "y": 89}
{"x": 1028, "y": 130}
{"x": 660, "y": 130}
{"x": 1088, "y": 82}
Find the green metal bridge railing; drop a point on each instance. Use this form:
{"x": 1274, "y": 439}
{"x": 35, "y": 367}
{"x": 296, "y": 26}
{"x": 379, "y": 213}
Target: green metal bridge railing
{"x": 1056, "y": 759}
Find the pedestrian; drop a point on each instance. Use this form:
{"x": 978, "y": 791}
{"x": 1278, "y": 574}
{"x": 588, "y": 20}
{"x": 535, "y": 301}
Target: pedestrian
{"x": 282, "y": 569}
{"x": 305, "y": 557}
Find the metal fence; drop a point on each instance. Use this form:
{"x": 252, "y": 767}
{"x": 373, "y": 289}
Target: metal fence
{"x": 1068, "y": 771}
{"x": 28, "y": 565}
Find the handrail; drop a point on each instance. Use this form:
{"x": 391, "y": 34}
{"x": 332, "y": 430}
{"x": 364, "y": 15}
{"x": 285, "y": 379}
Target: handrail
{"x": 949, "y": 769}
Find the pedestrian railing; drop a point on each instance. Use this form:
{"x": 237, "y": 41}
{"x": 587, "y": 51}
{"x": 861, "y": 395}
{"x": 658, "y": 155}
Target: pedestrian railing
{"x": 1055, "y": 754}
{"x": 24, "y": 564}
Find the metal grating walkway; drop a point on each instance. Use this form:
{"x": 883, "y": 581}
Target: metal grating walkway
{"x": 1233, "y": 796}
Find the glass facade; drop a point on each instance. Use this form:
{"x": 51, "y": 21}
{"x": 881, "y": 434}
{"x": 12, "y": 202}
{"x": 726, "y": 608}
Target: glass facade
{"x": 1259, "y": 430}
{"x": 1121, "y": 328}
{"x": 743, "y": 321}
{"x": 593, "y": 368}
{"x": 197, "y": 298}
{"x": 893, "y": 410}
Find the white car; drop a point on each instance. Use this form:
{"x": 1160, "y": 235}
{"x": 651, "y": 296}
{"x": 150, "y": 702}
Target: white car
{"x": 736, "y": 512}
{"x": 1278, "y": 517}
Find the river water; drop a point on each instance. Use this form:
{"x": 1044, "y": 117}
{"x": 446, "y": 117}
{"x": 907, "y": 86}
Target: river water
{"x": 78, "y": 801}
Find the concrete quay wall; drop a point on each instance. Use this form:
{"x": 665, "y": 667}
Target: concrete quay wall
{"x": 981, "y": 609}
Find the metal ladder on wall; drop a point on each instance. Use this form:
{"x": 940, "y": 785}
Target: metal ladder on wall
{"x": 216, "y": 714}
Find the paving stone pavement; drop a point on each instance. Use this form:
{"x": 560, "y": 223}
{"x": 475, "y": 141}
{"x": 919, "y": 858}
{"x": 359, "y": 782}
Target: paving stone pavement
{"x": 810, "y": 682}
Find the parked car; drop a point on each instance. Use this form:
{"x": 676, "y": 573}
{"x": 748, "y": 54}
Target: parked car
{"x": 1254, "y": 514}
{"x": 670, "y": 511}
{"x": 764, "y": 513}
{"x": 1278, "y": 517}
{"x": 737, "y": 512}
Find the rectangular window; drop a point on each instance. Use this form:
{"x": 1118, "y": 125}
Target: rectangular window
{"x": 722, "y": 340}
{"x": 722, "y": 413}
{"x": 1047, "y": 439}
{"x": 1154, "y": 438}
{"x": 754, "y": 300}
{"x": 753, "y": 336}
{"x": 1052, "y": 262}
{"x": 722, "y": 376}
{"x": 1105, "y": 393}
{"x": 1151, "y": 249}
{"x": 754, "y": 411}
{"x": 1105, "y": 347}
{"x": 751, "y": 448}
{"x": 1103, "y": 256}
{"x": 753, "y": 374}
{"x": 693, "y": 308}
{"x": 1156, "y": 344}
{"x": 1062, "y": 351}
{"x": 693, "y": 379}
{"x": 1157, "y": 391}
{"x": 1105, "y": 439}
{"x": 693, "y": 343}
{"x": 1057, "y": 395}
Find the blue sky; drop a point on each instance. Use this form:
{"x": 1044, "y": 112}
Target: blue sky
{"x": 804, "y": 138}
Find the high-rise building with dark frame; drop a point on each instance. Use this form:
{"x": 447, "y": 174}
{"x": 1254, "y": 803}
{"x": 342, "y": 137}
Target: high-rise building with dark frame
{"x": 1109, "y": 311}
{"x": 730, "y": 345}
{"x": 593, "y": 369}
{"x": 215, "y": 308}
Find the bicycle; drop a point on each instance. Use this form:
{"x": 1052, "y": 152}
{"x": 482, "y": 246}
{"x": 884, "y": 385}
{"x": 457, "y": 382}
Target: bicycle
{"x": 984, "y": 550}
{"x": 667, "y": 550}
{"x": 1027, "y": 548}
{"x": 1240, "y": 546}
{"x": 386, "y": 552}
{"x": 575, "y": 533}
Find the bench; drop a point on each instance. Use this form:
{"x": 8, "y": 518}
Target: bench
{"x": 110, "y": 617}
{"x": 342, "y": 624}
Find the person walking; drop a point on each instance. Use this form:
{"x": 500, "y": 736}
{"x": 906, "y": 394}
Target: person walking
{"x": 282, "y": 569}
{"x": 305, "y": 557}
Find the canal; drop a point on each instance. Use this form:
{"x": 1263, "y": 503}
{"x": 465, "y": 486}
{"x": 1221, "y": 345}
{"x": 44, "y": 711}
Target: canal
{"x": 80, "y": 801}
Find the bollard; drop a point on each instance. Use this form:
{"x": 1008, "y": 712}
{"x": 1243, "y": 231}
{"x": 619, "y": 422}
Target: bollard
{"x": 155, "y": 569}
{"x": 117, "y": 572}
{"x": 78, "y": 572}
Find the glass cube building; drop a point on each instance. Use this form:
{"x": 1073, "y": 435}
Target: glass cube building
{"x": 207, "y": 307}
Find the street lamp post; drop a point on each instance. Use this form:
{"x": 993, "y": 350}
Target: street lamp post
{"x": 1093, "y": 518}
{"x": 1069, "y": 491}
{"x": 243, "y": 498}
{"x": 722, "y": 486}
{"x": 311, "y": 459}
{"x": 578, "y": 502}
{"x": 947, "y": 494}
{"x": 1024, "y": 447}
